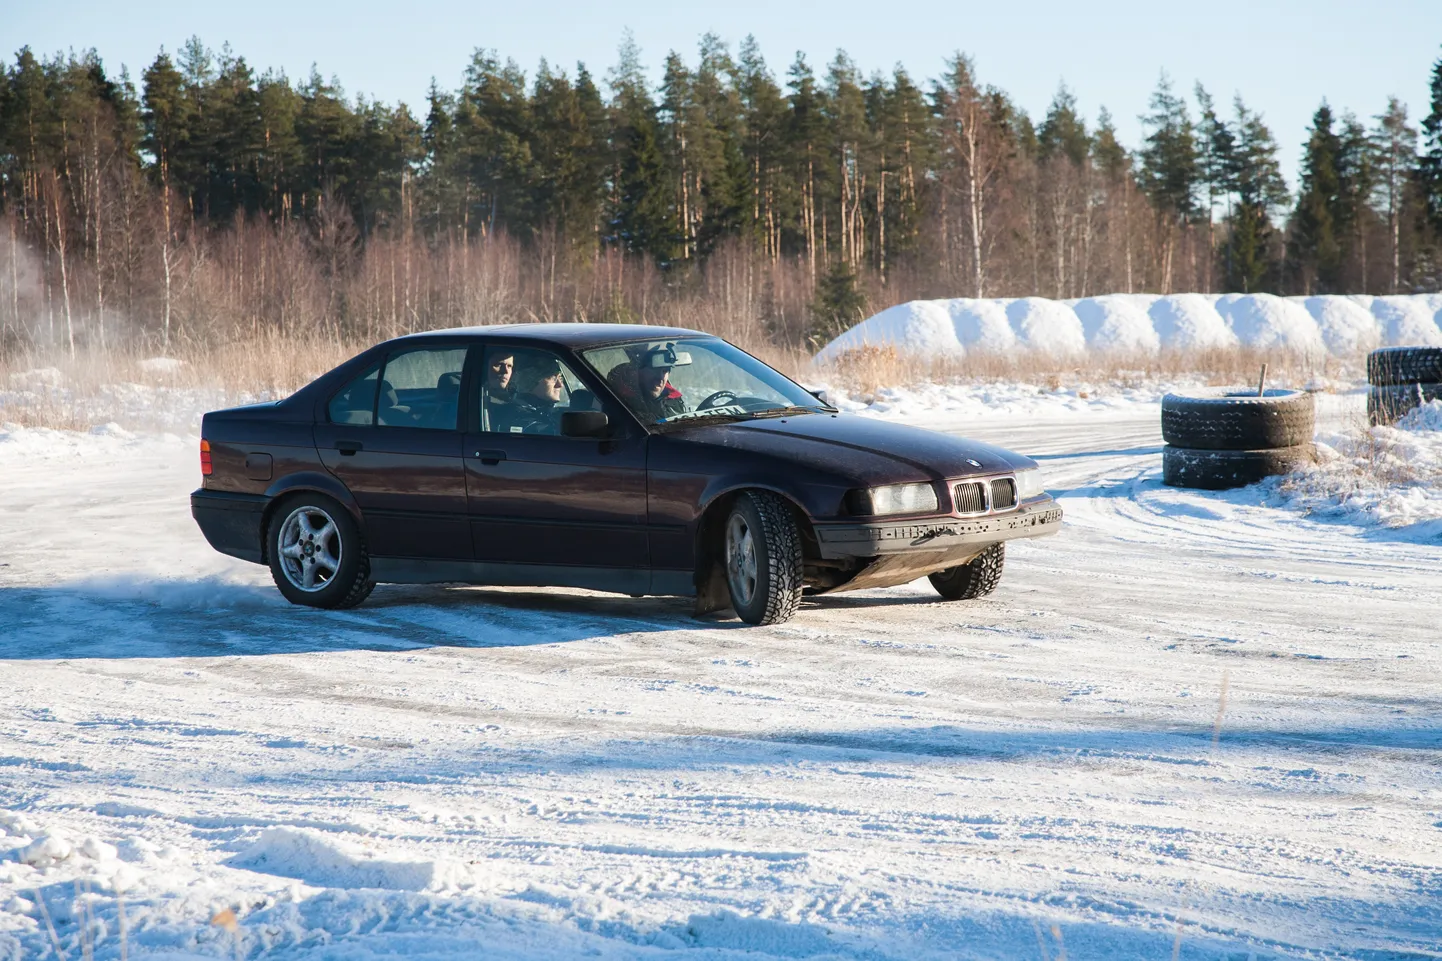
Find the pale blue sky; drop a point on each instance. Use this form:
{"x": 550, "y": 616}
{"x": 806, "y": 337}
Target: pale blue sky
{"x": 1282, "y": 56}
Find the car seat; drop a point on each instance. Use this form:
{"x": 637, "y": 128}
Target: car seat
{"x": 389, "y": 411}
{"x": 448, "y": 398}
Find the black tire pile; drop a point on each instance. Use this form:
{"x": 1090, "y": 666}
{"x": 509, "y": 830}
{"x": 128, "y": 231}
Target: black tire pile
{"x": 1221, "y": 439}
{"x": 1400, "y": 379}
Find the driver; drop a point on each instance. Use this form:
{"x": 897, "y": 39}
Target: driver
{"x": 644, "y": 384}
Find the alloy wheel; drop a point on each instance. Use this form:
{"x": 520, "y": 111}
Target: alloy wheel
{"x": 741, "y": 560}
{"x": 309, "y": 547}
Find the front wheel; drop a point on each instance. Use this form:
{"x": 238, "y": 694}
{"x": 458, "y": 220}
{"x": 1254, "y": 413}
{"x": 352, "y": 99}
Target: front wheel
{"x": 978, "y": 577}
{"x": 763, "y": 559}
{"x": 316, "y": 553}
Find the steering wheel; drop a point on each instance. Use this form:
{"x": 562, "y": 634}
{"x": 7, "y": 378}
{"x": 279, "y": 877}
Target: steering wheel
{"x": 716, "y": 399}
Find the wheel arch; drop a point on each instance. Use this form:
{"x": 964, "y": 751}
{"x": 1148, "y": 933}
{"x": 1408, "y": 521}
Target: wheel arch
{"x": 308, "y": 482}
{"x": 711, "y": 591}
{"x": 712, "y": 518}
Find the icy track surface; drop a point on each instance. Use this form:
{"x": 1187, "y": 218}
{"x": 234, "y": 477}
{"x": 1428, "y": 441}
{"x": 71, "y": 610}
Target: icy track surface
{"x": 543, "y": 774}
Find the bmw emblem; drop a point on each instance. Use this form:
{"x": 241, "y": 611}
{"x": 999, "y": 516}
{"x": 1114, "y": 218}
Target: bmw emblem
{"x": 973, "y": 463}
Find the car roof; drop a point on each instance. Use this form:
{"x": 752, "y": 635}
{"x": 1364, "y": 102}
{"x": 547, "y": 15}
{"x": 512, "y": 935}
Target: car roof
{"x": 570, "y": 335}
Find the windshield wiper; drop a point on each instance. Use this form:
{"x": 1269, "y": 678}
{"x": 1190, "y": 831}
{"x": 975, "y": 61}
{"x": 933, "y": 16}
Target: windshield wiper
{"x": 785, "y": 411}
{"x": 710, "y": 413}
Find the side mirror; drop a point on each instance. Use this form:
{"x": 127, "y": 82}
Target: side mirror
{"x": 819, "y": 394}
{"x": 584, "y": 423}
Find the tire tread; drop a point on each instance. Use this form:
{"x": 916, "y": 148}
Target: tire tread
{"x": 785, "y": 578}
{"x": 1278, "y": 420}
{"x": 978, "y": 577}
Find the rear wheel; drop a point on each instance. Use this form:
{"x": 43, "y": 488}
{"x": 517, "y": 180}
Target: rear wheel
{"x": 763, "y": 559}
{"x": 978, "y": 577}
{"x": 316, "y": 553}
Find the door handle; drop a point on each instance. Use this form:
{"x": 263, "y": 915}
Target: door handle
{"x": 348, "y": 447}
{"x": 491, "y": 457}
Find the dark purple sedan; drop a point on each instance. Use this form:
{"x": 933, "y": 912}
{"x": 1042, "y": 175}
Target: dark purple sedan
{"x": 639, "y": 460}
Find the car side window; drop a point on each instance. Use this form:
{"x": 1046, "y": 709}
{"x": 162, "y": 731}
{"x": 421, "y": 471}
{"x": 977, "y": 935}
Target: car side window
{"x": 421, "y": 388}
{"x": 355, "y": 403}
{"x": 525, "y": 390}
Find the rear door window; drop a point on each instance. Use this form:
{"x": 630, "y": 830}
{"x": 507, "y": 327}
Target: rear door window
{"x": 421, "y": 388}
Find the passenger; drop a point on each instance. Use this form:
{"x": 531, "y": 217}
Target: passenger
{"x": 644, "y": 384}
{"x": 532, "y": 410}
{"x": 498, "y": 378}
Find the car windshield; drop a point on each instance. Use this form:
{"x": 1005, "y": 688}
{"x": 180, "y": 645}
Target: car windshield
{"x": 681, "y": 381}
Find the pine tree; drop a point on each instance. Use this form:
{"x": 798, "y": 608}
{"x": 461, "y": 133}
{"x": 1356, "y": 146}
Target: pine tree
{"x": 1429, "y": 165}
{"x": 1260, "y": 189}
{"x": 808, "y": 169}
{"x": 495, "y": 131}
{"x": 1169, "y": 172}
{"x": 642, "y": 213}
{"x": 839, "y": 305}
{"x": 1313, "y": 250}
{"x": 1394, "y": 143}
{"x": 764, "y": 150}
{"x": 1215, "y": 162}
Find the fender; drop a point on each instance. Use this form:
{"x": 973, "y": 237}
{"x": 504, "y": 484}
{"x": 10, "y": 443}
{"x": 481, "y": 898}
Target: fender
{"x": 317, "y": 481}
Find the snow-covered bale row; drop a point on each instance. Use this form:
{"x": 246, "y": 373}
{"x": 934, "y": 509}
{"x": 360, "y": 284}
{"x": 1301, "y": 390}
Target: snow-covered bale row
{"x": 1132, "y": 324}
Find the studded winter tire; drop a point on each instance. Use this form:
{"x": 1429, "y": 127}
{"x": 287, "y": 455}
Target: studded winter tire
{"x": 1238, "y": 420}
{"x": 1404, "y": 365}
{"x": 1222, "y": 469}
{"x": 978, "y": 577}
{"x": 762, "y": 558}
{"x": 316, "y": 553}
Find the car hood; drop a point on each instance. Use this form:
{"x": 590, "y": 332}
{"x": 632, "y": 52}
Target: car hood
{"x": 870, "y": 451}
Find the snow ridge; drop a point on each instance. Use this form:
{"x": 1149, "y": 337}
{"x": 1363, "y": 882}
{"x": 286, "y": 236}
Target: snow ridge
{"x": 1145, "y": 324}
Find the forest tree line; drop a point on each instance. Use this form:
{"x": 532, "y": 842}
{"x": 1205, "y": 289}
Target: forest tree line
{"x": 206, "y": 201}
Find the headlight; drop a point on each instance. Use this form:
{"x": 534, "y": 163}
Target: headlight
{"x": 1029, "y": 484}
{"x": 896, "y": 499}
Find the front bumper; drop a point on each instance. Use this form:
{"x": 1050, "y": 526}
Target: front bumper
{"x": 942, "y": 535}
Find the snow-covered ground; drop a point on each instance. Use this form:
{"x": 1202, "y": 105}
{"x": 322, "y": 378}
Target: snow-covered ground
{"x": 1188, "y": 722}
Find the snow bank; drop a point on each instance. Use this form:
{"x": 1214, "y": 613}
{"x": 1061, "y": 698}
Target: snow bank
{"x": 1190, "y": 322}
{"x": 981, "y": 325}
{"x": 1381, "y": 477}
{"x": 1407, "y": 321}
{"x": 921, "y": 326}
{"x": 1117, "y": 324}
{"x": 1347, "y": 326}
{"x": 1047, "y": 326}
{"x": 324, "y": 861}
{"x": 1264, "y": 321}
{"x": 1127, "y": 324}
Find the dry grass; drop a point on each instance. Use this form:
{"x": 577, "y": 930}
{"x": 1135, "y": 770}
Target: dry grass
{"x": 867, "y": 370}
{"x": 272, "y": 365}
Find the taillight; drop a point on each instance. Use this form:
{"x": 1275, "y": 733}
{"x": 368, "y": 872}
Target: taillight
{"x": 205, "y": 465}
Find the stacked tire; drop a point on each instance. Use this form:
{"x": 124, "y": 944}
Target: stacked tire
{"x": 1220, "y": 439}
{"x": 1401, "y": 378}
